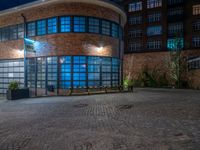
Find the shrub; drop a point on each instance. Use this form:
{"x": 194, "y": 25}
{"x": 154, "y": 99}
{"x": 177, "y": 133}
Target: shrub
{"x": 13, "y": 85}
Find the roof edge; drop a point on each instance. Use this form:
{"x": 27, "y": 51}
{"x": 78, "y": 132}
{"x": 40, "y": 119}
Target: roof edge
{"x": 103, "y": 3}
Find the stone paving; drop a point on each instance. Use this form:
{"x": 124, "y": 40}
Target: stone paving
{"x": 147, "y": 119}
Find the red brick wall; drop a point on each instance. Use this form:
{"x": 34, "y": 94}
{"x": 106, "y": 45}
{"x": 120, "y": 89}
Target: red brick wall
{"x": 133, "y": 64}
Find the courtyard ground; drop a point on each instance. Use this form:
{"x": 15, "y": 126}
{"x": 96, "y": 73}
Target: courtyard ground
{"x": 147, "y": 119}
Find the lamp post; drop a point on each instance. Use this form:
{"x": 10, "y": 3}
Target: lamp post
{"x": 25, "y": 52}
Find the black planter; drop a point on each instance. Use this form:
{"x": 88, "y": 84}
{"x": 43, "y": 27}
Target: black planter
{"x": 17, "y": 94}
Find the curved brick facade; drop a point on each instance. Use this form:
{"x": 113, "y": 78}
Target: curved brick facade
{"x": 63, "y": 43}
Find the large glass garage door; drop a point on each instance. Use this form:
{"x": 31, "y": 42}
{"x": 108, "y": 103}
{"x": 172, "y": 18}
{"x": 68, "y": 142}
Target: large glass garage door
{"x": 55, "y": 75}
{"x": 11, "y": 70}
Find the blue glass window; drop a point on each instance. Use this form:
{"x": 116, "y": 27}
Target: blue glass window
{"x": 31, "y": 29}
{"x": 20, "y": 31}
{"x": 52, "y": 25}
{"x": 175, "y": 44}
{"x": 105, "y": 27}
{"x": 65, "y": 24}
{"x": 13, "y": 32}
{"x": 115, "y": 31}
{"x": 65, "y": 72}
{"x": 79, "y": 24}
{"x": 79, "y": 68}
{"x": 154, "y": 30}
{"x": 93, "y": 25}
{"x": 41, "y": 27}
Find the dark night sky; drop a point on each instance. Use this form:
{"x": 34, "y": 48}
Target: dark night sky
{"x": 5, "y": 4}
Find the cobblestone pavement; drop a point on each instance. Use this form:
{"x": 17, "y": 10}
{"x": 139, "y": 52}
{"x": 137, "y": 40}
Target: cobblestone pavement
{"x": 147, "y": 119}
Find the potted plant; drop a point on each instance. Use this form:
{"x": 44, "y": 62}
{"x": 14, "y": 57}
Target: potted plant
{"x": 14, "y": 92}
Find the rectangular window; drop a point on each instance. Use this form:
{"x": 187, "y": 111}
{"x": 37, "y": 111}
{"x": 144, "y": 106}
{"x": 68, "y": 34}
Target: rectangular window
{"x": 196, "y": 41}
{"x": 154, "y": 3}
{"x": 175, "y": 28}
{"x": 106, "y": 71}
{"x": 154, "y": 17}
{"x": 20, "y": 31}
{"x": 171, "y": 2}
{"x": 135, "y": 20}
{"x": 154, "y": 45}
{"x": 135, "y": 33}
{"x": 135, "y": 46}
{"x": 52, "y": 25}
{"x": 65, "y": 24}
{"x": 79, "y": 24}
{"x": 135, "y": 6}
{"x": 94, "y": 71}
{"x": 105, "y": 27}
{"x": 196, "y": 10}
{"x": 196, "y": 25}
{"x": 175, "y": 44}
{"x": 175, "y": 11}
{"x": 79, "y": 75}
{"x": 41, "y": 27}
{"x": 115, "y": 30}
{"x": 5, "y": 34}
{"x": 94, "y": 24}
{"x": 13, "y": 32}
{"x": 65, "y": 72}
{"x": 154, "y": 30}
{"x": 31, "y": 29}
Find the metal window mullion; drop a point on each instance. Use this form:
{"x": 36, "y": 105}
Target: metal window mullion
{"x": 58, "y": 75}
{"x": 46, "y": 75}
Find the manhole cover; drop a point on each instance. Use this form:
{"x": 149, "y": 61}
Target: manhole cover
{"x": 124, "y": 107}
{"x": 83, "y": 146}
{"x": 80, "y": 105}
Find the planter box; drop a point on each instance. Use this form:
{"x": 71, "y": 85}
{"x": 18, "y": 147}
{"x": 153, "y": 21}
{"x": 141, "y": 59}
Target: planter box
{"x": 17, "y": 94}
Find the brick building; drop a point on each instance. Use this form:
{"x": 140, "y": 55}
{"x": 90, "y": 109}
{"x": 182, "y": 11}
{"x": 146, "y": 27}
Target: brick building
{"x": 68, "y": 44}
{"x": 153, "y": 27}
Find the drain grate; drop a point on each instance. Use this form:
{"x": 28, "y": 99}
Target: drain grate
{"x": 83, "y": 146}
{"x": 124, "y": 107}
{"x": 80, "y": 105}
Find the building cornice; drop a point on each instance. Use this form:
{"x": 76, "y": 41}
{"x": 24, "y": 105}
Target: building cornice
{"x": 103, "y": 3}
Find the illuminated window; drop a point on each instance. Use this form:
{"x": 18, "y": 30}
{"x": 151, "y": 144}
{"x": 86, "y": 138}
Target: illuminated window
{"x": 41, "y": 27}
{"x": 65, "y": 24}
{"x": 135, "y": 6}
{"x": 105, "y": 27}
{"x": 115, "y": 31}
{"x": 79, "y": 24}
{"x": 31, "y": 29}
{"x": 175, "y": 44}
{"x": 94, "y": 25}
{"x": 196, "y": 10}
{"x": 154, "y": 30}
{"x": 79, "y": 72}
{"x": 20, "y": 31}
{"x": 154, "y": 3}
{"x": 52, "y": 25}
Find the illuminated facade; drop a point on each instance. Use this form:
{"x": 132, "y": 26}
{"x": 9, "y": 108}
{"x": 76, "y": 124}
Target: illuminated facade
{"x": 77, "y": 45}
